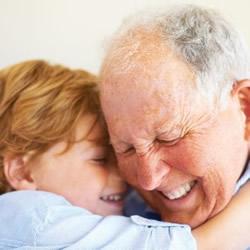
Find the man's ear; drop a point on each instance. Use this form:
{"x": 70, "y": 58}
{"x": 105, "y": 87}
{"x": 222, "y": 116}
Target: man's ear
{"x": 241, "y": 89}
{"x": 17, "y": 173}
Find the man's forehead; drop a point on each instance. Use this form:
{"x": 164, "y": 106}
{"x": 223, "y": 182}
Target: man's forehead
{"x": 143, "y": 115}
{"x": 149, "y": 90}
{"x": 161, "y": 76}
{"x": 147, "y": 112}
{"x": 138, "y": 45}
{"x": 139, "y": 129}
{"x": 146, "y": 96}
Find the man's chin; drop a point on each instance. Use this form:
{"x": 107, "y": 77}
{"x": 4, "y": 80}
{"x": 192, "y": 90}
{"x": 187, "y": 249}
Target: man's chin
{"x": 193, "y": 216}
{"x": 192, "y": 221}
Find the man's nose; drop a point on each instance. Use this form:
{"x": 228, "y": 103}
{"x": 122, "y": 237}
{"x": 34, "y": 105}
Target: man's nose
{"x": 151, "y": 171}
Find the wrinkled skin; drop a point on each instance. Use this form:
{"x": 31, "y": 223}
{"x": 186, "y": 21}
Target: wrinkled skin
{"x": 164, "y": 136}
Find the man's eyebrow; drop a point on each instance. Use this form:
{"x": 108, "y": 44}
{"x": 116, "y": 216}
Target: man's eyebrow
{"x": 117, "y": 143}
{"x": 167, "y": 129}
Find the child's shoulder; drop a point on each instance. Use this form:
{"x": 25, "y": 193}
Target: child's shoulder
{"x": 29, "y": 199}
{"x": 26, "y": 206}
{"x": 25, "y": 214}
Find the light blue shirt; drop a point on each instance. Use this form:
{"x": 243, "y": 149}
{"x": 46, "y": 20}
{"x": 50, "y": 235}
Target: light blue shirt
{"x": 41, "y": 220}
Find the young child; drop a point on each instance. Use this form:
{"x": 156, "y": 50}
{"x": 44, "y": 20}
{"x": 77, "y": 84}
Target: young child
{"x": 52, "y": 137}
{"x": 58, "y": 175}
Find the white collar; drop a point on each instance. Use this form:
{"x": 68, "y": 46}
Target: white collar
{"x": 243, "y": 179}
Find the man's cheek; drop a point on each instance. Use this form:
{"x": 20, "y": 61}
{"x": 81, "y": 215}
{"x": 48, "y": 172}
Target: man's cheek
{"x": 128, "y": 172}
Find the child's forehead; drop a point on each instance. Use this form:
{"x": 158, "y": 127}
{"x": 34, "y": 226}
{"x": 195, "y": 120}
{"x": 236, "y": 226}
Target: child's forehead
{"x": 91, "y": 128}
{"x": 101, "y": 140}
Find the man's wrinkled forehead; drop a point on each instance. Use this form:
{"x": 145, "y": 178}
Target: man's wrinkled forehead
{"x": 168, "y": 82}
{"x": 134, "y": 48}
{"x": 143, "y": 58}
{"x": 143, "y": 108}
{"x": 130, "y": 83}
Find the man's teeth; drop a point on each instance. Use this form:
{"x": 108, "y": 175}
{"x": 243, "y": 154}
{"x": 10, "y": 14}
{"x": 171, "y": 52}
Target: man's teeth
{"x": 112, "y": 197}
{"x": 180, "y": 191}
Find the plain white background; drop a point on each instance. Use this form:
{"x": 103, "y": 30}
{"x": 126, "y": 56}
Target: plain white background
{"x": 74, "y": 32}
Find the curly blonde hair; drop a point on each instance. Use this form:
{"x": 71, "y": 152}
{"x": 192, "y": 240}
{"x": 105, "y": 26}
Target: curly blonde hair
{"x": 40, "y": 104}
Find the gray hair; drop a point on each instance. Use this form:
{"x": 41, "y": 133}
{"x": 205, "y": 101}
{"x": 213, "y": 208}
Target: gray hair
{"x": 203, "y": 38}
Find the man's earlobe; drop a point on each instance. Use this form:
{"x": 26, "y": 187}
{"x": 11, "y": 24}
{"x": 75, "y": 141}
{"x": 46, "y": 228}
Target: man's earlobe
{"x": 17, "y": 173}
{"x": 241, "y": 89}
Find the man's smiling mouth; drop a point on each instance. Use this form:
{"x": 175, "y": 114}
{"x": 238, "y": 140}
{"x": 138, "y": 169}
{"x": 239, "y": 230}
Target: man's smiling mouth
{"x": 179, "y": 192}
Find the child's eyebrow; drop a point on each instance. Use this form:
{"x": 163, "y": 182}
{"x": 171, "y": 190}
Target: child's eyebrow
{"x": 102, "y": 140}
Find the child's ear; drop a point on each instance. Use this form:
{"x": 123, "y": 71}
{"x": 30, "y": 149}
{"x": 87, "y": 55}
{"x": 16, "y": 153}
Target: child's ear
{"x": 17, "y": 173}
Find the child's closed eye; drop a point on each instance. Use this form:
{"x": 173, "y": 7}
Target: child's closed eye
{"x": 101, "y": 160}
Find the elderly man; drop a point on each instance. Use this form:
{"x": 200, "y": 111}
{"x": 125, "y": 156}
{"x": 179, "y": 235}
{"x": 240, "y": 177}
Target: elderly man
{"x": 175, "y": 94}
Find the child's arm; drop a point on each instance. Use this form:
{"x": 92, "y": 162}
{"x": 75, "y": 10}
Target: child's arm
{"x": 230, "y": 229}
